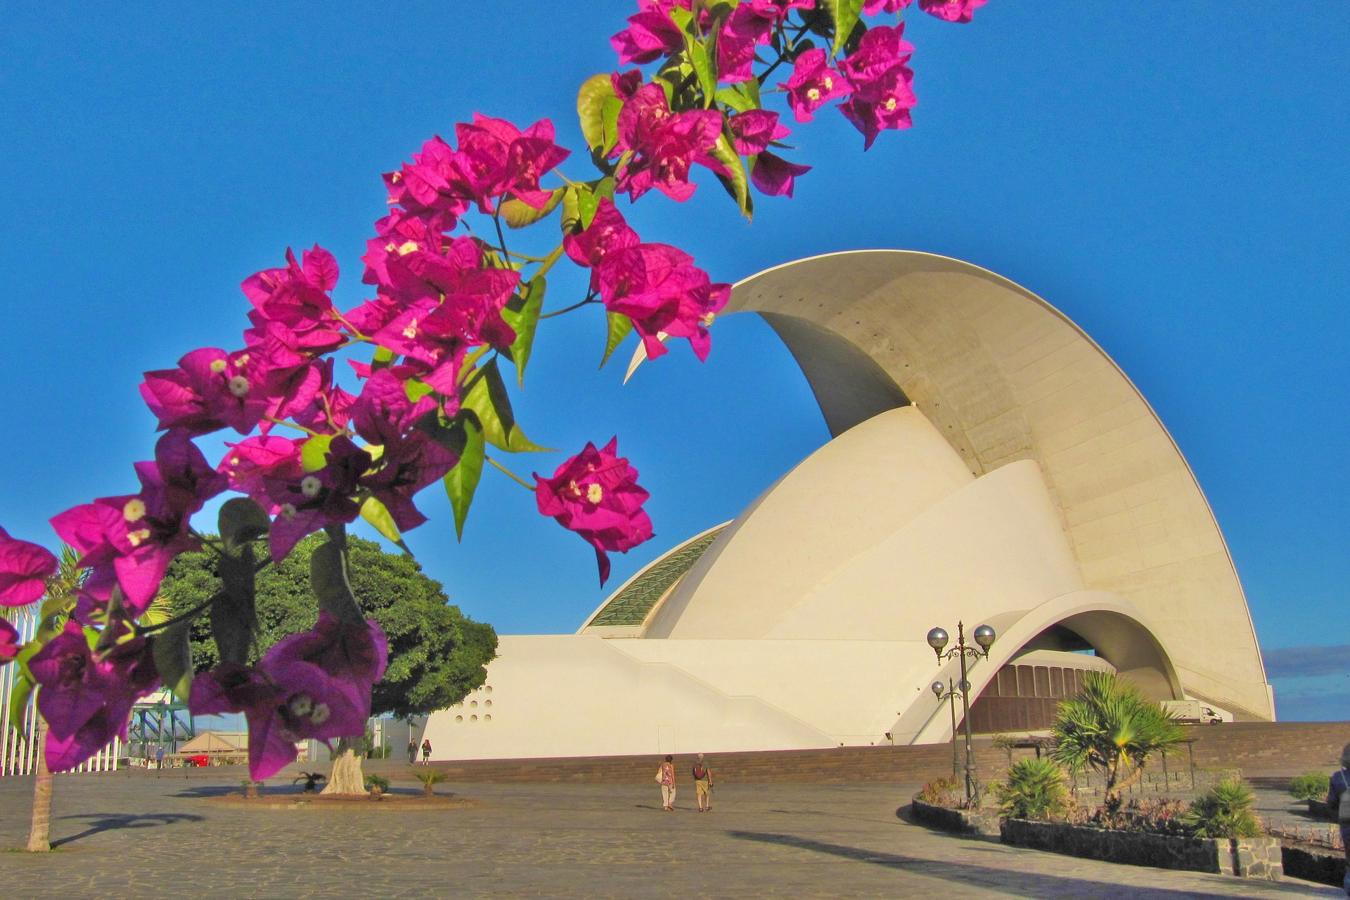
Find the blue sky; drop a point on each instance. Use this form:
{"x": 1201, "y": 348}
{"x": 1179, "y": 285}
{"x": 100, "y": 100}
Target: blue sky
{"x": 1172, "y": 176}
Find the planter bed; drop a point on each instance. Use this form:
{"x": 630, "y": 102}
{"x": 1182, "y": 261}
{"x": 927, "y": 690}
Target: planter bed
{"x": 1310, "y": 864}
{"x": 1243, "y": 857}
{"x": 957, "y": 821}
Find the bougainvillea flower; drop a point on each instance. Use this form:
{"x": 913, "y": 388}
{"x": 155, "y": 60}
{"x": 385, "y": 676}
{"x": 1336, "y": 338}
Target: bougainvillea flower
{"x": 9, "y": 642}
{"x": 408, "y": 464}
{"x": 422, "y": 187}
{"x": 774, "y": 175}
{"x": 495, "y": 159}
{"x": 354, "y": 652}
{"x": 297, "y": 295}
{"x": 87, "y": 699}
{"x": 881, "y": 82}
{"x": 665, "y": 144}
{"x": 650, "y": 34}
{"x": 24, "y": 570}
{"x": 329, "y": 406}
{"x": 383, "y": 411}
{"x": 608, "y": 232}
{"x": 305, "y": 503}
{"x": 251, "y": 462}
{"x": 141, "y": 534}
{"x": 749, "y": 25}
{"x": 210, "y": 390}
{"x": 883, "y": 103}
{"x": 952, "y": 10}
{"x": 664, "y": 293}
{"x": 754, "y": 130}
{"x": 813, "y": 84}
{"x": 596, "y": 495}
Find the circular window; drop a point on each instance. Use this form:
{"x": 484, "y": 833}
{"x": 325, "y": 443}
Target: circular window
{"x": 487, "y": 718}
{"x": 473, "y": 718}
{"x": 487, "y": 702}
{"x": 487, "y": 688}
{"x": 459, "y": 718}
{"x": 473, "y": 703}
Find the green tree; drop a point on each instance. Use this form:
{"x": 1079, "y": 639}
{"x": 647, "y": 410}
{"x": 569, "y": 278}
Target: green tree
{"x": 1112, "y": 729}
{"x": 1035, "y": 789}
{"x": 437, "y": 655}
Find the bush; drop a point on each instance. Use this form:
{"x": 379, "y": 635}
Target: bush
{"x": 1150, "y": 815}
{"x": 377, "y": 784}
{"x": 1035, "y": 789}
{"x": 1312, "y": 786}
{"x": 1224, "y": 811}
{"x": 941, "y": 792}
{"x": 429, "y": 778}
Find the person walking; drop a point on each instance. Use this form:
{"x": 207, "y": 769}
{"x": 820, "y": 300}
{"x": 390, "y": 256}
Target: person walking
{"x": 1338, "y": 801}
{"x": 703, "y": 783}
{"x": 412, "y": 752}
{"x": 665, "y": 776}
{"x": 426, "y": 751}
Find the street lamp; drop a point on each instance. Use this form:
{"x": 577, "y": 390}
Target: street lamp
{"x": 937, "y": 639}
{"x": 950, "y": 693}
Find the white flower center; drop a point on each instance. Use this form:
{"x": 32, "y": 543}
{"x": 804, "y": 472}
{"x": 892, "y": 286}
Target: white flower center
{"x": 134, "y": 509}
{"x": 890, "y": 104}
{"x": 812, "y": 94}
{"x": 310, "y": 486}
{"x": 138, "y": 537}
{"x": 320, "y": 714}
{"x": 301, "y": 705}
{"x": 288, "y": 510}
{"x": 410, "y": 332}
{"x": 218, "y": 366}
{"x": 708, "y": 319}
{"x": 595, "y": 493}
{"x": 239, "y": 386}
{"x": 407, "y": 247}
{"x": 828, "y": 82}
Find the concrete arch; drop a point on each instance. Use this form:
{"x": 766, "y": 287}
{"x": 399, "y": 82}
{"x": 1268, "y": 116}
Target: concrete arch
{"x": 1118, "y": 631}
{"x": 1004, "y": 376}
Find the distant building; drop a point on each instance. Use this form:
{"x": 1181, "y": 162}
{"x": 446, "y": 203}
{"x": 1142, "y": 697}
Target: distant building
{"x": 989, "y": 464}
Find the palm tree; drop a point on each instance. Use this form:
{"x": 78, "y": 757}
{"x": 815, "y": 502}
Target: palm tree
{"x": 57, "y": 605}
{"x": 1111, "y": 728}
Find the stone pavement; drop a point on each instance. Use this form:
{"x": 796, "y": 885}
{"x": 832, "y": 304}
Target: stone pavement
{"x": 148, "y": 835}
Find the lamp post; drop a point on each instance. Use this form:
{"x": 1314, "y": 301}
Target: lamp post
{"x": 937, "y": 639}
{"x": 950, "y": 693}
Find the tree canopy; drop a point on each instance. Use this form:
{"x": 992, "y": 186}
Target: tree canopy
{"x": 437, "y": 655}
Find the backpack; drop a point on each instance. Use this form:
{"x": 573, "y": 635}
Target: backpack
{"x": 699, "y": 772}
{"x": 1344, "y": 812}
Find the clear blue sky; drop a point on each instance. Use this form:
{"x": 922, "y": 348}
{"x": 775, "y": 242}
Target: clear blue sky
{"x": 1172, "y": 176}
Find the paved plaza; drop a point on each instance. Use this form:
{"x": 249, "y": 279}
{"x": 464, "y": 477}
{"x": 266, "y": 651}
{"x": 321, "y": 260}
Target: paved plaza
{"x": 145, "y": 835}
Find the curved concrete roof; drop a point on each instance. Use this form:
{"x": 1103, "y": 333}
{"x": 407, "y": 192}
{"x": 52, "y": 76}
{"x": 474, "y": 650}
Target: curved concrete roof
{"x": 1004, "y": 376}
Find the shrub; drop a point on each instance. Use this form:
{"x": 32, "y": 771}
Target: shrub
{"x": 430, "y": 778}
{"x": 377, "y": 784}
{"x": 1312, "y": 786}
{"x": 1224, "y": 811}
{"x": 1035, "y": 789}
{"x": 942, "y": 792}
{"x": 1150, "y": 815}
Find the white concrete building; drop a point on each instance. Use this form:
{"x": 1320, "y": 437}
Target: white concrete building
{"x": 989, "y": 464}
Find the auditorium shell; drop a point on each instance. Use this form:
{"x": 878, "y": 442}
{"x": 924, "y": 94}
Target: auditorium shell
{"x": 989, "y": 463}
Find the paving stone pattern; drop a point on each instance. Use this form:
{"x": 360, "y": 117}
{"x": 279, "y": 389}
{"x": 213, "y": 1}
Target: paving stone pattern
{"x": 158, "y": 835}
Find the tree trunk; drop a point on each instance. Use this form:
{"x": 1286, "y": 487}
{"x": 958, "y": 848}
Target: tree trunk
{"x": 39, "y": 833}
{"x": 346, "y": 776}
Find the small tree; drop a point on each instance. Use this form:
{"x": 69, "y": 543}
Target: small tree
{"x": 437, "y": 655}
{"x": 1112, "y": 729}
{"x": 1224, "y": 811}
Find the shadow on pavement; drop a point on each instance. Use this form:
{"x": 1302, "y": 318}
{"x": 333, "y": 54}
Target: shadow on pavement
{"x": 1017, "y": 883}
{"x": 100, "y": 822}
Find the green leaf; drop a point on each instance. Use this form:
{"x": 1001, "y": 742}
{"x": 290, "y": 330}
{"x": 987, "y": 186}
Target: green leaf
{"x": 18, "y": 698}
{"x": 173, "y": 658}
{"x": 377, "y": 514}
{"x": 488, "y": 399}
{"x": 328, "y": 578}
{"x": 737, "y": 184}
{"x": 234, "y": 619}
{"x": 845, "y": 14}
{"x": 314, "y": 452}
{"x": 619, "y": 326}
{"x": 525, "y": 321}
{"x": 461, "y": 481}
{"x": 739, "y": 96}
{"x": 590, "y": 108}
{"x": 704, "y": 67}
{"x": 241, "y": 521}
{"x": 518, "y": 213}
{"x": 609, "y": 123}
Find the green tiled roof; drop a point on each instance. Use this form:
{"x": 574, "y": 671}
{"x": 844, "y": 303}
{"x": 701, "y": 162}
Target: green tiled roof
{"x": 631, "y": 605}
